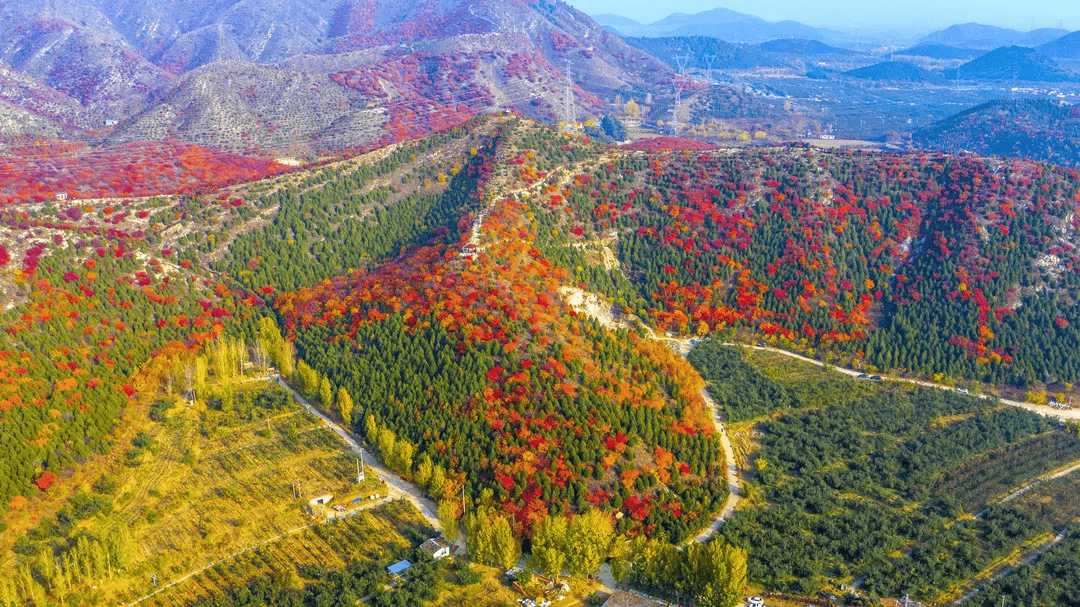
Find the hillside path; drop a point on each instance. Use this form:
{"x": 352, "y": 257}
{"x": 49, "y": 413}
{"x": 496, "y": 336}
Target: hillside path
{"x": 590, "y": 305}
{"x": 1035, "y": 482}
{"x": 397, "y": 487}
{"x": 734, "y": 492}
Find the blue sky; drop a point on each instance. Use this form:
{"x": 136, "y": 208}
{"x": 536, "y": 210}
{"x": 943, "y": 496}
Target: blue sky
{"x": 876, "y": 14}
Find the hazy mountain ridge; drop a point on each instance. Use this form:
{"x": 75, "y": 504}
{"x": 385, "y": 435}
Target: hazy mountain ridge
{"x": 1067, "y": 46}
{"x": 940, "y": 51}
{"x": 1038, "y": 129}
{"x": 987, "y": 37}
{"x": 894, "y": 70}
{"x": 1013, "y": 63}
{"x": 721, "y": 23}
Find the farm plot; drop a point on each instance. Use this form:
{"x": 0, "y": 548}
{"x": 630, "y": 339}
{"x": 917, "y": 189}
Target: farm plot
{"x": 851, "y": 485}
{"x": 978, "y": 482}
{"x": 1057, "y": 500}
{"x": 371, "y": 536}
{"x": 202, "y": 484}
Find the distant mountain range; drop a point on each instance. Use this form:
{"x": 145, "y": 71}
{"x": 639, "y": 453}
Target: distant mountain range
{"x": 1065, "y": 47}
{"x": 296, "y": 73}
{"x": 1012, "y": 63}
{"x": 1037, "y": 129}
{"x": 703, "y": 52}
{"x": 987, "y": 37}
{"x": 721, "y": 23}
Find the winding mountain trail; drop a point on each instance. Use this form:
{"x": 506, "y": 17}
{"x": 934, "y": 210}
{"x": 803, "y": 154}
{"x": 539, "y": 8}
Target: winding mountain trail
{"x": 1044, "y": 410}
{"x": 592, "y": 305}
{"x": 734, "y": 490}
{"x": 596, "y": 307}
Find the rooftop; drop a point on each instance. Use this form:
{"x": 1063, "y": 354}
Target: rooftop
{"x": 433, "y": 545}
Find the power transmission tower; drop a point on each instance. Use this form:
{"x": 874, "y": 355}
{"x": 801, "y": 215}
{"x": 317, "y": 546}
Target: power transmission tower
{"x": 675, "y": 110}
{"x": 569, "y": 110}
{"x": 708, "y": 66}
{"x": 681, "y": 61}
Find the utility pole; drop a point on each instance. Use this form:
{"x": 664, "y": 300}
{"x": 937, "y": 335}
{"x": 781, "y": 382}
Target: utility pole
{"x": 465, "y": 528}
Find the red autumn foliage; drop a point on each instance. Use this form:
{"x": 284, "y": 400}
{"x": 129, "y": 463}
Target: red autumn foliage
{"x": 665, "y": 142}
{"x": 45, "y": 480}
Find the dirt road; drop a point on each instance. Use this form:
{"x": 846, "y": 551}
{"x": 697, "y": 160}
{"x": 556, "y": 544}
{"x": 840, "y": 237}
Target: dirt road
{"x": 397, "y": 487}
{"x": 734, "y": 492}
{"x": 1045, "y": 410}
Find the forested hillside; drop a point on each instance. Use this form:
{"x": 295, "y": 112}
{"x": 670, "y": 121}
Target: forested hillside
{"x": 1039, "y": 129}
{"x": 91, "y": 305}
{"x": 433, "y": 292}
{"x": 924, "y": 263}
{"x": 496, "y": 387}
{"x": 929, "y": 264}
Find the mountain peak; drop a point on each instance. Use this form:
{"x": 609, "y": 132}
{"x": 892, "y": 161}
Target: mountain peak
{"x": 980, "y": 36}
